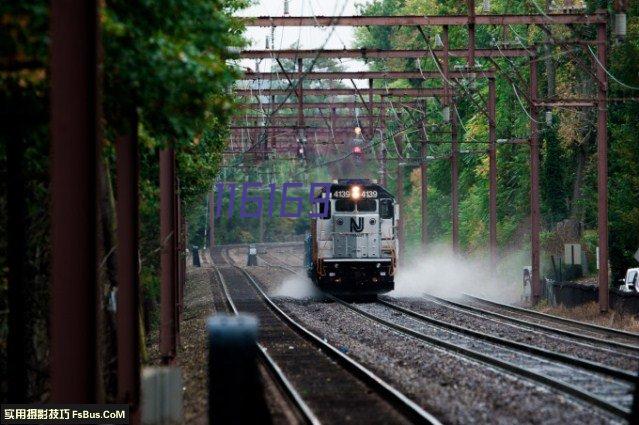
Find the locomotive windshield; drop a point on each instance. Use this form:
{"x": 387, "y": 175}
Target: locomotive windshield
{"x": 344, "y": 205}
{"x": 364, "y": 205}
{"x": 367, "y": 205}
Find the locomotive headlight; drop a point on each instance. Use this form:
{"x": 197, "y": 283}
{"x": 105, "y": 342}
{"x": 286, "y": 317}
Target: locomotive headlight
{"x": 372, "y": 221}
{"x": 339, "y": 221}
{"x": 356, "y": 192}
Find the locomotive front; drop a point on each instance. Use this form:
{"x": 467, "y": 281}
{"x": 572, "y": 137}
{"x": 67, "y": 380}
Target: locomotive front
{"x": 354, "y": 248}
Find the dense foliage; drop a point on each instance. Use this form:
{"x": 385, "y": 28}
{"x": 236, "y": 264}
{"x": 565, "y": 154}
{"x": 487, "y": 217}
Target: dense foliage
{"x": 165, "y": 62}
{"x": 568, "y": 145}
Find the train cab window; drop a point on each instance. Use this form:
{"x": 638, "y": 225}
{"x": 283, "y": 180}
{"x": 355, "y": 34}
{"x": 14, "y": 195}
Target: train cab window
{"x": 344, "y": 205}
{"x": 367, "y": 205}
{"x": 321, "y": 209}
{"x": 386, "y": 208}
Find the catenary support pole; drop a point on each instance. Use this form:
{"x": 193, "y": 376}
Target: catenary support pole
{"x": 128, "y": 324}
{"x": 300, "y": 99}
{"x": 602, "y": 167}
{"x": 492, "y": 173}
{"x": 454, "y": 178}
{"x": 176, "y": 256}
{"x": 400, "y": 195}
{"x": 167, "y": 263}
{"x": 211, "y": 219}
{"x": 75, "y": 122}
{"x": 423, "y": 168}
{"x": 535, "y": 225}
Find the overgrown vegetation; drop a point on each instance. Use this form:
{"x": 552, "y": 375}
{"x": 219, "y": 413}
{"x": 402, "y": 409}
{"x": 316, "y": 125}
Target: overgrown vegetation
{"x": 164, "y": 61}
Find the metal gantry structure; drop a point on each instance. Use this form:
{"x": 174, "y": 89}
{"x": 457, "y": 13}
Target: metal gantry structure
{"x": 76, "y": 137}
{"x": 442, "y": 55}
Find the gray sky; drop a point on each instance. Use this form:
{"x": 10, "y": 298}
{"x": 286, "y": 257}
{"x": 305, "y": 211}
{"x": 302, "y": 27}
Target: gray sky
{"x": 309, "y": 37}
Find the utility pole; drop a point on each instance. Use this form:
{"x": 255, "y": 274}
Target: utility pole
{"x": 423, "y": 167}
{"x": 167, "y": 261}
{"x": 535, "y": 225}
{"x": 602, "y": 166}
{"x": 211, "y": 219}
{"x": 492, "y": 173}
{"x": 400, "y": 194}
{"x": 454, "y": 179}
{"x": 75, "y": 153}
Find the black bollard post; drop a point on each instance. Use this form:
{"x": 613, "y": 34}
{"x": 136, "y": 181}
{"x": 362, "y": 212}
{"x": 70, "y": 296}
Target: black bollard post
{"x": 235, "y": 391}
{"x": 252, "y": 255}
{"x": 196, "y": 256}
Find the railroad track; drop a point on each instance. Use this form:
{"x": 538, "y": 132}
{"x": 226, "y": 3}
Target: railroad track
{"x": 613, "y": 395}
{"x": 355, "y": 392}
{"x": 606, "y": 387}
{"x": 573, "y": 328}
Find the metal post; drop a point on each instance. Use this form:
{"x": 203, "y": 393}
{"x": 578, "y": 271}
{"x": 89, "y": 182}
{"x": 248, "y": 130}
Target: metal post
{"x": 492, "y": 172}
{"x": 235, "y": 391}
{"x": 602, "y": 167}
{"x": 300, "y": 98}
{"x": 211, "y": 219}
{"x": 471, "y": 35}
{"x": 535, "y": 225}
{"x": 400, "y": 195}
{"x": 176, "y": 256}
{"x": 384, "y": 168}
{"x": 371, "y": 122}
{"x": 128, "y": 325}
{"x": 424, "y": 183}
{"x": 272, "y": 131}
{"x": 167, "y": 264}
{"x": 454, "y": 179}
{"x": 75, "y": 122}
{"x": 15, "y": 122}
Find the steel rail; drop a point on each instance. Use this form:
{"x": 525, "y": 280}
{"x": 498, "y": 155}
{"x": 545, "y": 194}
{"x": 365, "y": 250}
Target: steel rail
{"x": 438, "y": 20}
{"x": 587, "y": 326}
{"x": 274, "y": 370}
{"x": 526, "y": 348}
{"x": 411, "y": 409}
{"x": 380, "y": 53}
{"x": 507, "y": 366}
{"x": 590, "y": 342}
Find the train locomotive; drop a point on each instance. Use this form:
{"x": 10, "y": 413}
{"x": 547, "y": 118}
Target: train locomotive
{"x": 353, "y": 250}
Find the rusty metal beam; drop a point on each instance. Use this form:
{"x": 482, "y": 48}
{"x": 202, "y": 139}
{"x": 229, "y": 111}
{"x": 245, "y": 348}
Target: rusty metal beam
{"x": 342, "y": 92}
{"x": 602, "y": 167}
{"x": 167, "y": 263}
{"x": 319, "y": 105}
{"x": 128, "y": 325}
{"x": 492, "y": 173}
{"x": 75, "y": 122}
{"x": 535, "y": 219}
{"x": 432, "y": 20}
{"x": 362, "y": 75}
{"x": 378, "y": 53}
{"x": 308, "y": 118}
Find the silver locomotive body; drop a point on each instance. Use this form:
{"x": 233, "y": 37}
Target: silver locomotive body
{"x": 354, "y": 248}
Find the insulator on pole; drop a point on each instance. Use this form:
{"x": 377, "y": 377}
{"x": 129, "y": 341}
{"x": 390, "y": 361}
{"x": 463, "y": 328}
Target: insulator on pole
{"x": 620, "y": 29}
{"x": 266, "y": 43}
{"x": 438, "y": 41}
{"x": 286, "y": 7}
{"x": 485, "y": 7}
{"x": 549, "y": 117}
{"x": 446, "y": 113}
